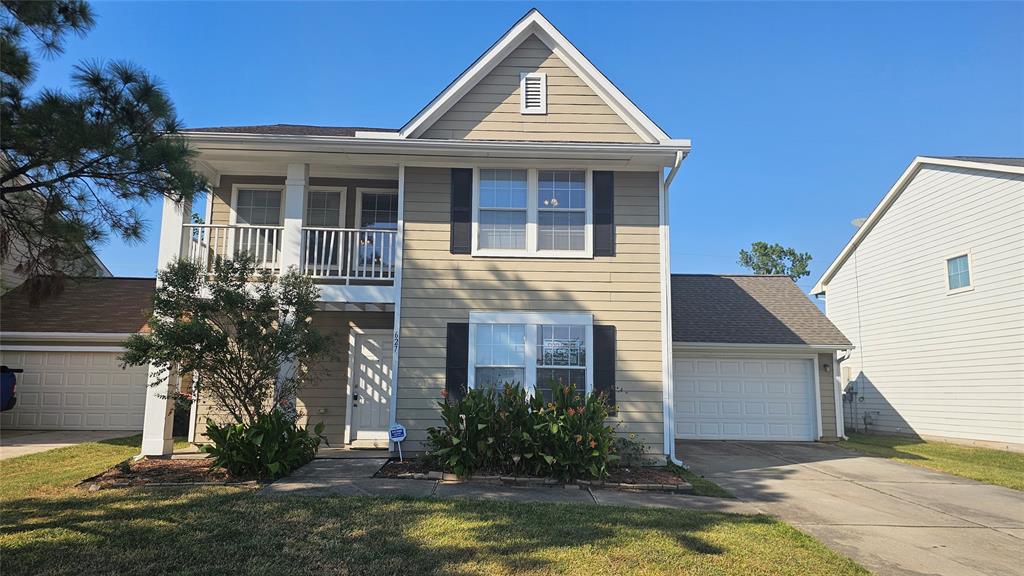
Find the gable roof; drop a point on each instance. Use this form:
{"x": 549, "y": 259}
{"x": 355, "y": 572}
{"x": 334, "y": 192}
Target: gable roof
{"x": 741, "y": 309}
{"x": 534, "y": 23}
{"x": 992, "y": 164}
{"x": 87, "y": 305}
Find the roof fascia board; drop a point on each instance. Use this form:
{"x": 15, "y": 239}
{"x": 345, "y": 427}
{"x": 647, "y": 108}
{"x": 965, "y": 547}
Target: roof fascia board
{"x": 535, "y": 23}
{"x": 67, "y": 336}
{"x": 891, "y": 197}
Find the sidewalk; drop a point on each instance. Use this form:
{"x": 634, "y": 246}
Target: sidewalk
{"x": 354, "y": 477}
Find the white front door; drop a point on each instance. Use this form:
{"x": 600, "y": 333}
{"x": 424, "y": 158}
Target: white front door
{"x": 371, "y": 388}
{"x": 744, "y": 399}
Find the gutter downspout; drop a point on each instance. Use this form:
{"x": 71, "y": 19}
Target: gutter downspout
{"x": 668, "y": 406}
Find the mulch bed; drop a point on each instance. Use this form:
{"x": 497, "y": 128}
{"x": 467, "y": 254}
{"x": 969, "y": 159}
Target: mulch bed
{"x": 637, "y": 477}
{"x": 162, "y": 472}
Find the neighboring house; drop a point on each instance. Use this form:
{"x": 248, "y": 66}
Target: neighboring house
{"x": 68, "y": 347}
{"x": 931, "y": 291}
{"x": 516, "y": 229}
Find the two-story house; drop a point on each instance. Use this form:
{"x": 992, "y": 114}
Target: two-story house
{"x": 931, "y": 291}
{"x": 514, "y": 230}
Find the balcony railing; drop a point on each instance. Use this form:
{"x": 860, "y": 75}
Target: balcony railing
{"x": 261, "y": 243}
{"x": 344, "y": 254}
{"x": 348, "y": 253}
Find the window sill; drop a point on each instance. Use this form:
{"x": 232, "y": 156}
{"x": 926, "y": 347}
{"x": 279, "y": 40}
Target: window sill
{"x": 969, "y": 288}
{"x": 540, "y": 255}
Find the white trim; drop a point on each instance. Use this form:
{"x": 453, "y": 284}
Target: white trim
{"x": 817, "y": 393}
{"x": 45, "y": 348}
{"x": 397, "y": 286}
{"x": 542, "y": 107}
{"x": 890, "y": 198}
{"x": 970, "y": 271}
{"x": 68, "y": 336}
{"x": 532, "y": 216}
{"x": 780, "y": 347}
{"x": 531, "y": 321}
{"x": 667, "y": 352}
{"x": 535, "y": 23}
{"x": 233, "y": 218}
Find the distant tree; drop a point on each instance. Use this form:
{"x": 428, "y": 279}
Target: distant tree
{"x": 233, "y": 331}
{"x": 764, "y": 258}
{"x": 76, "y": 166}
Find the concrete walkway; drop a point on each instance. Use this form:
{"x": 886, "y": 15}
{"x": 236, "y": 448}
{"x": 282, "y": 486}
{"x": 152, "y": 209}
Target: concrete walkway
{"x": 353, "y": 477}
{"x": 891, "y": 518}
{"x": 21, "y": 442}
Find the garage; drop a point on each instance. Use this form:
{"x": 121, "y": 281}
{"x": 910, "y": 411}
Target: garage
{"x": 68, "y": 347}
{"x": 75, "y": 391}
{"x": 753, "y": 359}
{"x": 745, "y": 398}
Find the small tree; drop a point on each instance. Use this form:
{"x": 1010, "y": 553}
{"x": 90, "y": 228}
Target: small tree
{"x": 765, "y": 258}
{"x": 233, "y": 331}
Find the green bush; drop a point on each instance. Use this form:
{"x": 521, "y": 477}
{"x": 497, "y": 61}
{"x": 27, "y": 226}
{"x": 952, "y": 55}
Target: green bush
{"x": 271, "y": 447}
{"x": 508, "y": 433}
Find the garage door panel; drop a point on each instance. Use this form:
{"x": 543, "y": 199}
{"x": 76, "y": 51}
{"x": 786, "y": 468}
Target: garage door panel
{"x": 77, "y": 391}
{"x": 755, "y": 399}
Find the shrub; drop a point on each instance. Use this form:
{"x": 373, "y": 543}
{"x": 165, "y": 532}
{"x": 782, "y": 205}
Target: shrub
{"x": 508, "y": 432}
{"x": 270, "y": 447}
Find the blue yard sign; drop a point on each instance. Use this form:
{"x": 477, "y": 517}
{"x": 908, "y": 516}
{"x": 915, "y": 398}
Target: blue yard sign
{"x": 397, "y": 434}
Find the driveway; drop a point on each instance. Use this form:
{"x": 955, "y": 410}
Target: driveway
{"x": 890, "y": 517}
{"x": 20, "y": 442}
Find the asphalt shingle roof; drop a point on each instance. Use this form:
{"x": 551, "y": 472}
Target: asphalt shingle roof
{"x": 747, "y": 310}
{"x": 289, "y": 130}
{"x": 104, "y": 305}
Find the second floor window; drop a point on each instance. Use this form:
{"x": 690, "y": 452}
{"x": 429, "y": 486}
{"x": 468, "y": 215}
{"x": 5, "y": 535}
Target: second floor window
{"x": 532, "y": 212}
{"x": 958, "y": 273}
{"x": 323, "y": 209}
{"x": 258, "y": 207}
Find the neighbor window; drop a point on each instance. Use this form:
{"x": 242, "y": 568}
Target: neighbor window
{"x": 522, "y": 212}
{"x": 323, "y": 209}
{"x": 958, "y": 272}
{"x": 258, "y": 207}
{"x": 536, "y": 351}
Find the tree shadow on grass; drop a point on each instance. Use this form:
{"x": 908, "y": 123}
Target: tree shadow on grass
{"x": 223, "y": 530}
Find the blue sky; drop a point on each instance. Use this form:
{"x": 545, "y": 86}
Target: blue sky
{"x": 802, "y": 115}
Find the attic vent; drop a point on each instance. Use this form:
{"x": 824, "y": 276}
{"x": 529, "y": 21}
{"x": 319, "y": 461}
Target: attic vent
{"x": 533, "y": 88}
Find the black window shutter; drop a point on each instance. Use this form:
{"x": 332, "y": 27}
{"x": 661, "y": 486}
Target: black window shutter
{"x": 462, "y": 211}
{"x": 604, "y": 364}
{"x": 604, "y": 213}
{"x": 456, "y": 364}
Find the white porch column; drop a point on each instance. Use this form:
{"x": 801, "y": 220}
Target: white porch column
{"x": 159, "y": 416}
{"x": 294, "y": 207}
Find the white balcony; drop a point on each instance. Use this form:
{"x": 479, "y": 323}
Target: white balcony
{"x": 350, "y": 264}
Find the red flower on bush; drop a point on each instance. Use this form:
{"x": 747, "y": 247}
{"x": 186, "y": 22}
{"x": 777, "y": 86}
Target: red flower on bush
{"x": 571, "y": 411}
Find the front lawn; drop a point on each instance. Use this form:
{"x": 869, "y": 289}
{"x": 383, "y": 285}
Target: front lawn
{"x": 49, "y": 528}
{"x": 997, "y": 467}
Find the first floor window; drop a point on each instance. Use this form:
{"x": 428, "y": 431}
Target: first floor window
{"x": 958, "y": 272}
{"x": 538, "y": 352}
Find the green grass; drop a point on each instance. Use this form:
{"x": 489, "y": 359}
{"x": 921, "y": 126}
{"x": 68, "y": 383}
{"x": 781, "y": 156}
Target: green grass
{"x": 62, "y": 468}
{"x": 52, "y": 529}
{"x": 997, "y": 467}
{"x": 701, "y": 485}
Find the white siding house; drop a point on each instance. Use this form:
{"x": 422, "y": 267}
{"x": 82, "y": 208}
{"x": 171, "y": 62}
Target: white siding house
{"x": 931, "y": 292}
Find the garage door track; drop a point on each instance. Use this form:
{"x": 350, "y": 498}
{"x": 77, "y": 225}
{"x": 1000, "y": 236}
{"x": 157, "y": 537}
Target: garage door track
{"x": 892, "y": 518}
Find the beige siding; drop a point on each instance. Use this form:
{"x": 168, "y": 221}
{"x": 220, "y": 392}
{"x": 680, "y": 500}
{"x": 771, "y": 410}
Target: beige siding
{"x": 323, "y": 398}
{"x": 827, "y": 392}
{"x": 439, "y": 287}
{"x": 490, "y": 110}
{"x": 929, "y": 362}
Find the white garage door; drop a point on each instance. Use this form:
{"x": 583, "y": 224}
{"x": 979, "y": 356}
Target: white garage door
{"x": 745, "y": 399}
{"x": 75, "y": 391}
